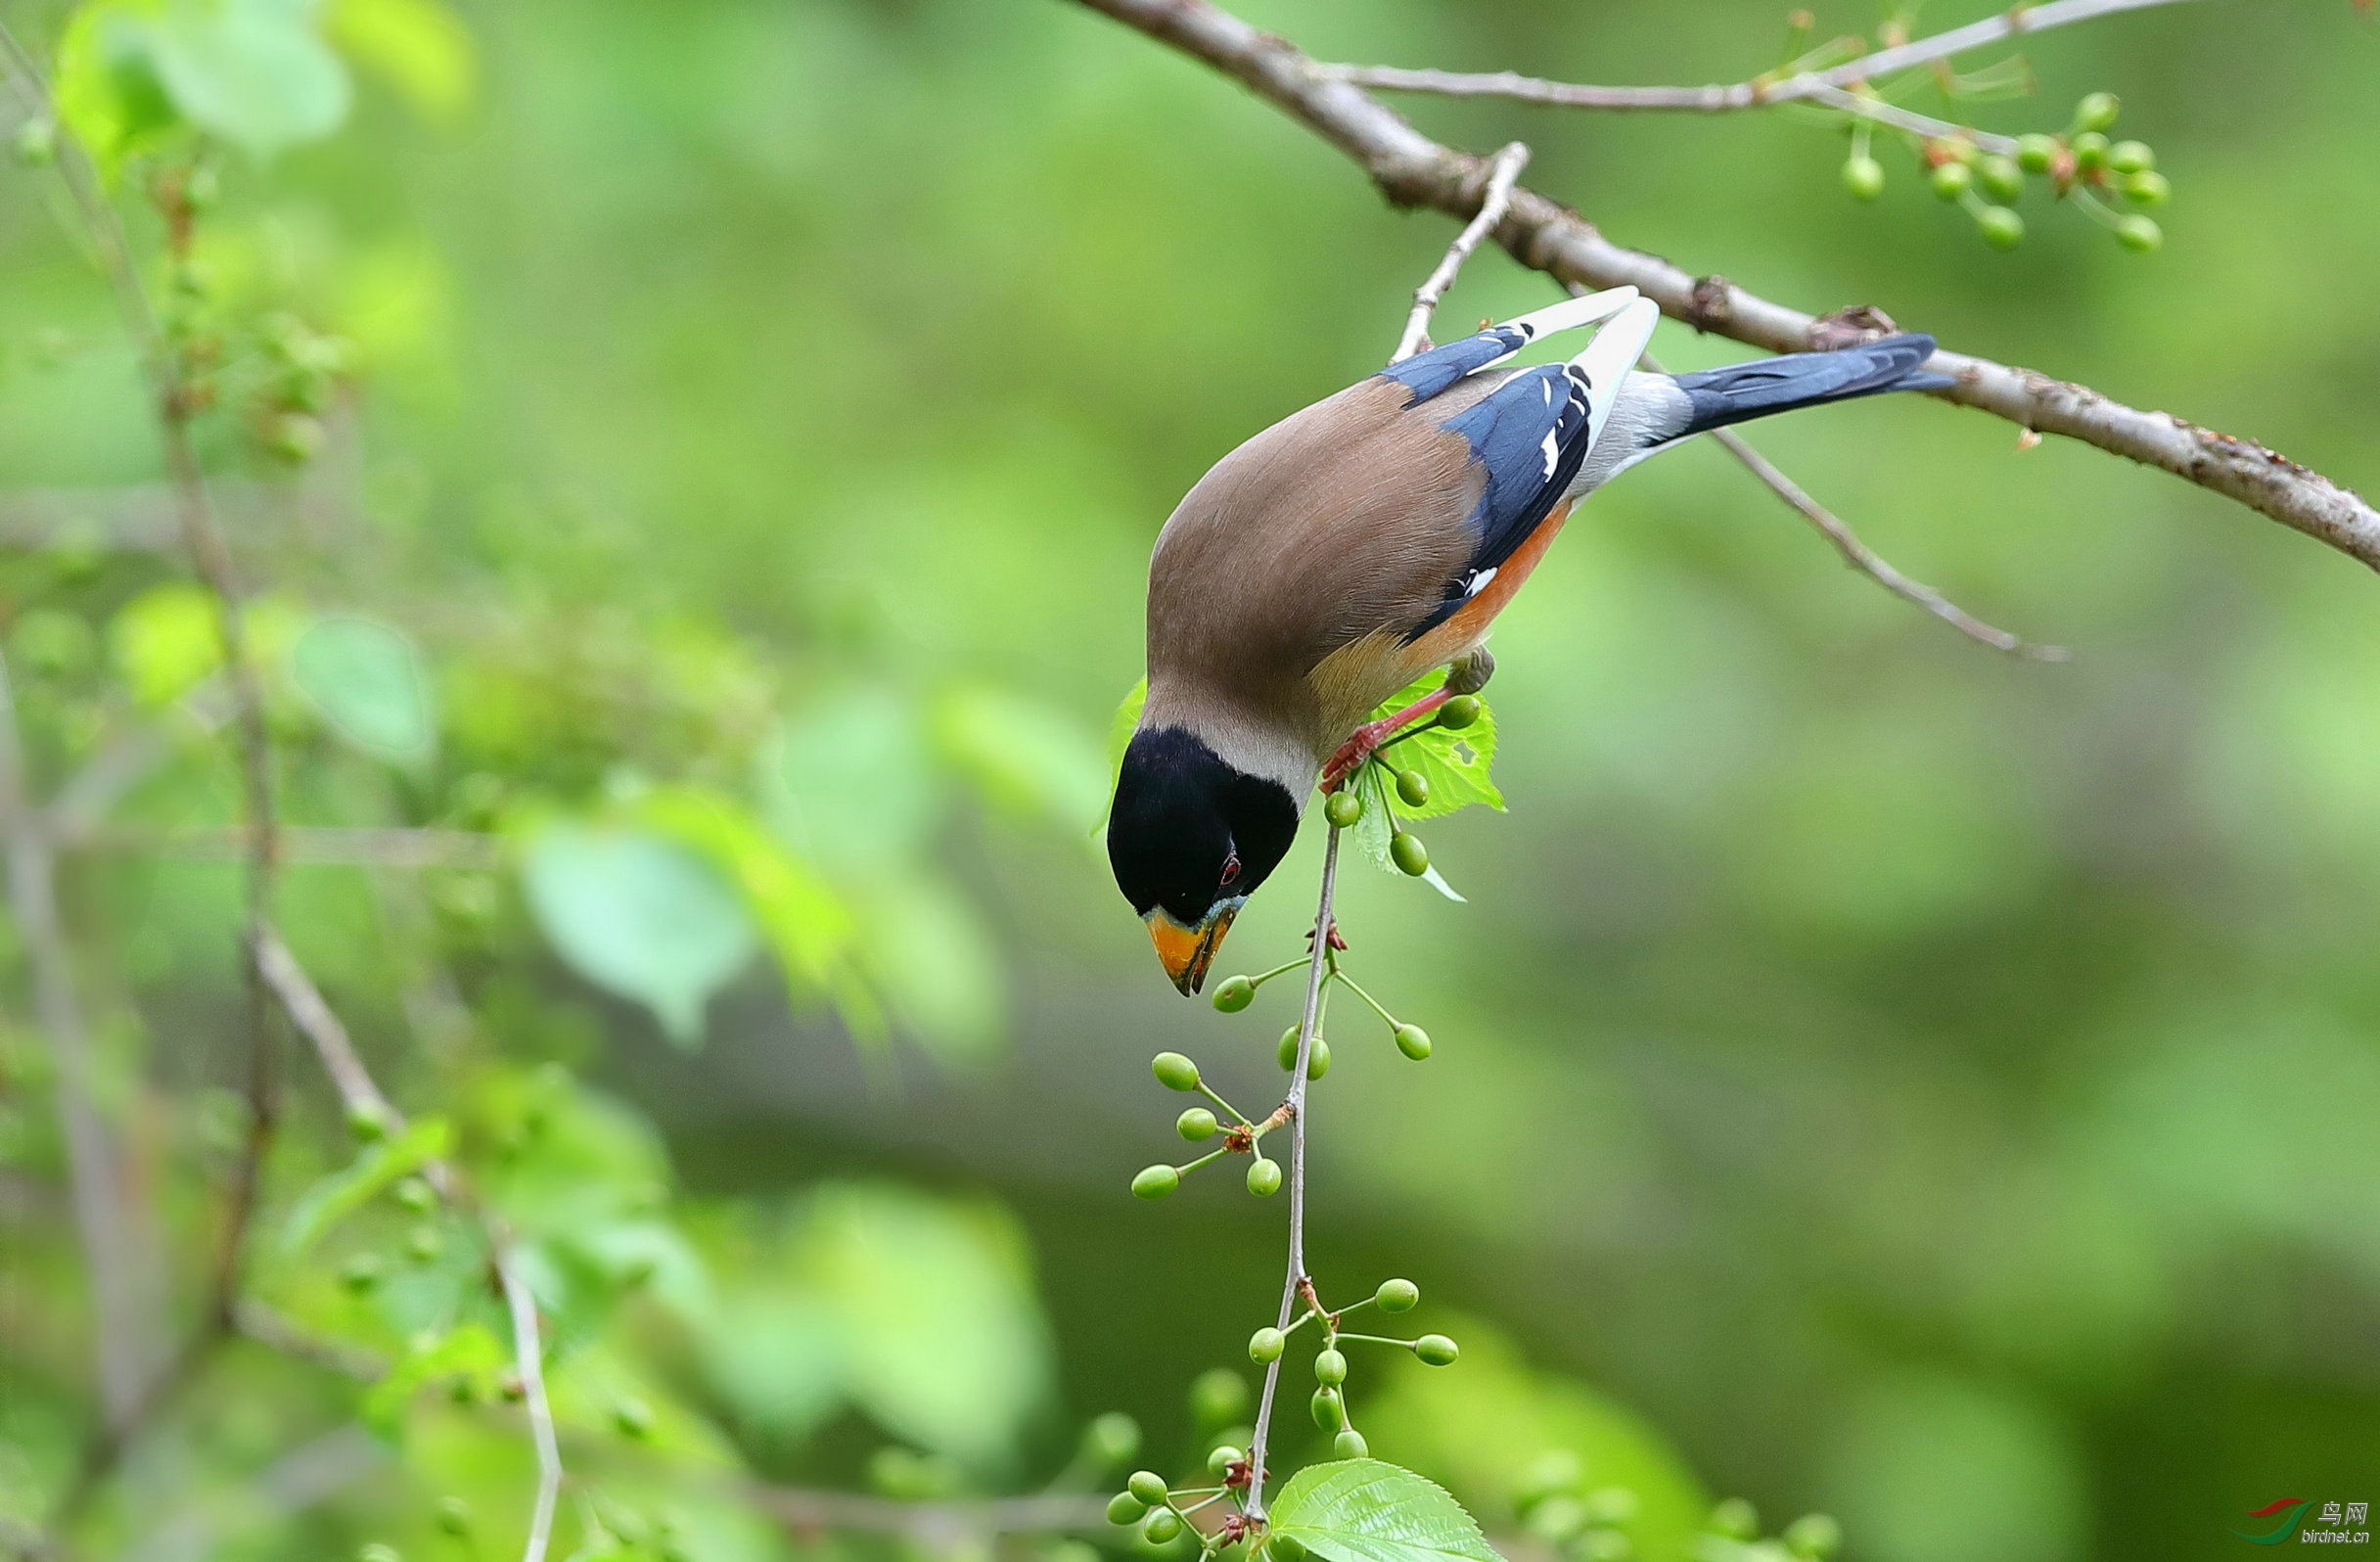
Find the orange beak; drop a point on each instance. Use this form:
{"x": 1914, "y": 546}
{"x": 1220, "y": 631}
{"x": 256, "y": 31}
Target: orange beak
{"x": 1187, "y": 953}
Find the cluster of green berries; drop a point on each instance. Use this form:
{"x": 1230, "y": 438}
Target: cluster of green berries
{"x": 1198, "y": 1125}
{"x": 1556, "y": 1507}
{"x": 304, "y": 370}
{"x": 1342, "y": 810}
{"x": 1328, "y": 1406}
{"x": 2082, "y": 164}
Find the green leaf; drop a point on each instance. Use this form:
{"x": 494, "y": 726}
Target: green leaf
{"x": 1022, "y": 754}
{"x": 1364, "y": 1510}
{"x": 367, "y": 680}
{"x": 1121, "y": 728}
{"x": 808, "y": 928}
{"x": 254, "y": 72}
{"x": 851, "y": 784}
{"x": 164, "y": 642}
{"x": 419, "y": 47}
{"x": 1456, "y": 765}
{"x": 469, "y": 1349}
{"x": 641, "y": 916}
{"x": 333, "y": 1198}
{"x": 107, "y": 89}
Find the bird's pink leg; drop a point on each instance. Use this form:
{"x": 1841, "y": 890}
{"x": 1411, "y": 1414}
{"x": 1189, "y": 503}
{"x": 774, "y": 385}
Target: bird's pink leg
{"x": 1372, "y": 734}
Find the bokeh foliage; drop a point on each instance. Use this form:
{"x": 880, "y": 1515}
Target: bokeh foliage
{"x": 1929, "y": 1086}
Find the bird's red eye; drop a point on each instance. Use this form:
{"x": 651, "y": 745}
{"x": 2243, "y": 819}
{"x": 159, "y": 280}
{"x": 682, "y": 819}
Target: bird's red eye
{"x": 1231, "y": 867}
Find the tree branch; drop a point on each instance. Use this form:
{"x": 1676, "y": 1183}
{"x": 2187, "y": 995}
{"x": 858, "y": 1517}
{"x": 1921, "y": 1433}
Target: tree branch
{"x": 279, "y": 968}
{"x": 103, "y": 1217}
{"x": 1501, "y": 175}
{"x": 1860, "y": 557}
{"x": 326, "y": 845}
{"x": 1760, "y": 92}
{"x": 1413, "y": 171}
{"x": 1294, "y": 1285}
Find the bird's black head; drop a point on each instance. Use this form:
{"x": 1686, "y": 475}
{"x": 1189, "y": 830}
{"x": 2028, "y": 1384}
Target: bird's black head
{"x": 1190, "y": 838}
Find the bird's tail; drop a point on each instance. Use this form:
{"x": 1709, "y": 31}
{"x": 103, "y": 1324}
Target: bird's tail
{"x": 1754, "y": 389}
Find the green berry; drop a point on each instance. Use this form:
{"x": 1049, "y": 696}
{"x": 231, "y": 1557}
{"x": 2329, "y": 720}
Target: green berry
{"x": 1813, "y": 1535}
{"x": 1950, "y": 180}
{"x": 1736, "y": 1519}
{"x": 632, "y": 1416}
{"x": 1126, "y": 1509}
{"x": 2147, "y": 188}
{"x": 1264, "y": 1177}
{"x": 416, "y": 1195}
{"x": 1147, "y": 1486}
{"x": 37, "y": 143}
{"x": 1329, "y": 1410}
{"x": 296, "y": 437}
{"x": 425, "y": 1243}
{"x": 2131, "y": 157}
{"x": 2000, "y": 178}
{"x": 1864, "y": 177}
{"x": 1156, "y": 1182}
{"x": 1162, "y": 1526}
{"x": 1397, "y": 1296}
{"x": 362, "y": 1273}
{"x": 454, "y": 1515}
{"x": 1349, "y": 1444}
{"x": 1330, "y": 1369}
{"x": 2036, "y": 153}
{"x": 1217, "y": 1395}
{"x": 2096, "y": 112}
{"x": 2091, "y": 150}
{"x": 1236, "y": 994}
{"x": 1409, "y": 855}
{"x": 1286, "y": 1548}
{"x": 1413, "y": 1041}
{"x": 1344, "y": 808}
{"x": 1317, "y": 1061}
{"x": 2003, "y": 229}
{"x": 2139, "y": 234}
{"x": 1110, "y": 1438}
{"x": 1436, "y": 1350}
{"x": 1174, "y": 1072}
{"x": 1264, "y": 1347}
{"x": 1195, "y": 1125}
{"x": 1414, "y": 788}
{"x": 1223, "y": 1457}
{"x": 1460, "y": 712}
{"x": 366, "y": 1122}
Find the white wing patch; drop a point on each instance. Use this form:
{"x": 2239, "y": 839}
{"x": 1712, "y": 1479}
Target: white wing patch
{"x": 1478, "y": 582}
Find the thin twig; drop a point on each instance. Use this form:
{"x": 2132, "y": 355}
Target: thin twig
{"x": 1413, "y": 171}
{"x": 1501, "y": 172}
{"x": 279, "y": 968}
{"x": 103, "y": 1216}
{"x": 1864, "y": 559}
{"x": 1760, "y": 92}
{"x": 1295, "y": 1283}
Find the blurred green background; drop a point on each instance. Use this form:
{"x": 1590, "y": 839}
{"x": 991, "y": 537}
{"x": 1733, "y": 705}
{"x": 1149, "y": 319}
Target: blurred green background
{"x": 1871, "y": 1073}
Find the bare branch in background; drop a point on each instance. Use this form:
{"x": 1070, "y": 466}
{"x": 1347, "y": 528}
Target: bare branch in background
{"x": 320, "y": 1024}
{"x": 336, "y": 846}
{"x": 1411, "y": 169}
{"x": 1298, "y": 1283}
{"x": 123, "y": 1298}
{"x": 949, "y": 1524}
{"x": 1826, "y": 86}
{"x": 1501, "y": 175}
{"x": 1864, "y": 559}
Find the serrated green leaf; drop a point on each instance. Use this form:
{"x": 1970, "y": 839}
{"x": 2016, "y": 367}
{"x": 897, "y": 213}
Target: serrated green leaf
{"x": 469, "y": 1349}
{"x": 1456, "y": 765}
{"x": 333, "y": 1198}
{"x": 1367, "y": 1510}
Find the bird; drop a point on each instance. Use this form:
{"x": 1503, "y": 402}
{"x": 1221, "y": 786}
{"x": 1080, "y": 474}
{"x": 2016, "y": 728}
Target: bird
{"x": 1367, "y": 539}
